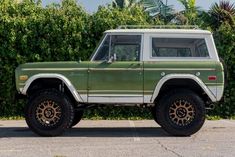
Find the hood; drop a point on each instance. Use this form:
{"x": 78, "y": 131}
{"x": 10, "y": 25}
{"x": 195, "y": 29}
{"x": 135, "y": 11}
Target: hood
{"x": 61, "y": 64}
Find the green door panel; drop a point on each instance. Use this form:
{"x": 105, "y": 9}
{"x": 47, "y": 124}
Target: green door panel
{"x": 117, "y": 78}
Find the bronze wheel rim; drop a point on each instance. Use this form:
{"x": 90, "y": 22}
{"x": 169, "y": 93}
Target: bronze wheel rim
{"x": 48, "y": 113}
{"x": 181, "y": 112}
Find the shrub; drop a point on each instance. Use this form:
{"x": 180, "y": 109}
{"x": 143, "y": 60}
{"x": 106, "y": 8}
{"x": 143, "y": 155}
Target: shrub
{"x": 225, "y": 42}
{"x": 31, "y": 33}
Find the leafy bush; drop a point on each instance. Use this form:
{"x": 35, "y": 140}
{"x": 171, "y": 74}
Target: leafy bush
{"x": 225, "y": 42}
{"x": 30, "y": 33}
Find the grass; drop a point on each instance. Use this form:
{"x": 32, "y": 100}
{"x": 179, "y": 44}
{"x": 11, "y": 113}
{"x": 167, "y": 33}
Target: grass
{"x": 121, "y": 113}
{"x": 233, "y": 117}
{"x": 97, "y": 117}
{"x": 12, "y": 118}
{"x": 141, "y": 118}
{"x": 213, "y": 117}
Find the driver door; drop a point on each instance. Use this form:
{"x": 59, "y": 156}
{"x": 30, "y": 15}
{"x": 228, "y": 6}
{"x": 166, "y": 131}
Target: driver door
{"x": 116, "y": 72}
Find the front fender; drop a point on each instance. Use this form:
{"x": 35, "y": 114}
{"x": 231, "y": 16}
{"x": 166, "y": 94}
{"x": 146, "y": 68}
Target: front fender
{"x": 65, "y": 80}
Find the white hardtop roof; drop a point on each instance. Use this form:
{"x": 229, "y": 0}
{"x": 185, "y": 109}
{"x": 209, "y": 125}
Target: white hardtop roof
{"x": 173, "y": 31}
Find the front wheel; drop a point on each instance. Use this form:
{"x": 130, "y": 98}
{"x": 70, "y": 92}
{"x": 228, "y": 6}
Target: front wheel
{"x": 77, "y": 118}
{"x": 181, "y": 112}
{"x": 155, "y": 117}
{"x": 49, "y": 113}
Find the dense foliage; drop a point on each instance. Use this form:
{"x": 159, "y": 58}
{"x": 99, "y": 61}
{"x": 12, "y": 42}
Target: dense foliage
{"x": 225, "y": 42}
{"x": 30, "y": 33}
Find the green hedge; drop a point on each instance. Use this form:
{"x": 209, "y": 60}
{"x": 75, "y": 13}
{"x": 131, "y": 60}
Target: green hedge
{"x": 225, "y": 42}
{"x": 31, "y": 33}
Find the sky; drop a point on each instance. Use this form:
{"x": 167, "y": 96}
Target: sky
{"x": 92, "y": 5}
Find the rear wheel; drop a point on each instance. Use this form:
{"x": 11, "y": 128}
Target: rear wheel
{"x": 181, "y": 112}
{"x": 49, "y": 113}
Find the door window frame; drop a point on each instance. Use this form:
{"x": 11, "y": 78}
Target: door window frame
{"x": 112, "y": 34}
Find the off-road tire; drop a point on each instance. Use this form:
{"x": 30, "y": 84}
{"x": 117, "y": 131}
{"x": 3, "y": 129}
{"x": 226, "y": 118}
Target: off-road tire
{"x": 153, "y": 112}
{"x": 186, "y": 97}
{"x": 77, "y": 118}
{"x": 49, "y": 96}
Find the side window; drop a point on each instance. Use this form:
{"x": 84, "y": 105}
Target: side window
{"x": 179, "y": 47}
{"x": 202, "y": 49}
{"x": 103, "y": 51}
{"x": 123, "y": 47}
{"x": 126, "y": 47}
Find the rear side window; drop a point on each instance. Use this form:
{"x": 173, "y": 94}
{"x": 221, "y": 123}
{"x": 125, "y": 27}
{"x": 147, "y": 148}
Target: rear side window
{"x": 179, "y": 47}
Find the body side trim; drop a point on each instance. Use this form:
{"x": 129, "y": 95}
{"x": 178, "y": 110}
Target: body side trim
{"x": 53, "y": 69}
{"x": 182, "y": 76}
{"x": 115, "y": 95}
{"x": 115, "y": 99}
{"x": 181, "y": 69}
{"x": 218, "y": 91}
{"x": 53, "y": 75}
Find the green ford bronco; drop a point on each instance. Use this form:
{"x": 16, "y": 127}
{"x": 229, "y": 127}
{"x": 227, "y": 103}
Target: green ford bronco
{"x": 175, "y": 72}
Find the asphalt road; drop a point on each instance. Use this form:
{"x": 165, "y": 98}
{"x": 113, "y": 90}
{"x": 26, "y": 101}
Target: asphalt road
{"x": 118, "y": 139}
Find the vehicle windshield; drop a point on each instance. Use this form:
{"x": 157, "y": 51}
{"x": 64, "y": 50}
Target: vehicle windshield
{"x": 97, "y": 46}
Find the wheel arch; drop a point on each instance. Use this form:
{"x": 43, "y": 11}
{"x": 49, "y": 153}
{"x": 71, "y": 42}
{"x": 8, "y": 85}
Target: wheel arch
{"x": 196, "y": 82}
{"x": 60, "y": 77}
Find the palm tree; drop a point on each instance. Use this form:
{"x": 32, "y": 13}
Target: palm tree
{"x": 125, "y": 3}
{"x": 190, "y": 12}
{"x": 222, "y": 12}
{"x": 158, "y": 8}
{"x": 155, "y": 8}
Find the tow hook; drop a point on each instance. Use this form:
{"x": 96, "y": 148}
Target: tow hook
{"x": 210, "y": 107}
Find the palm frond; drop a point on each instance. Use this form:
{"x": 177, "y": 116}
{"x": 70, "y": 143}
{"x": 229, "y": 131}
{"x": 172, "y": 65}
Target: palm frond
{"x": 157, "y": 7}
{"x": 222, "y": 12}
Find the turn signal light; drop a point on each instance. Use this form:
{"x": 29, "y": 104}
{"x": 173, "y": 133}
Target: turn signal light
{"x": 23, "y": 77}
{"x": 212, "y": 78}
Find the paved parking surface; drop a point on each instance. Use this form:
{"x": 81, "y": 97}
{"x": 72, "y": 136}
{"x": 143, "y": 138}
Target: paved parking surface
{"x": 118, "y": 139}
